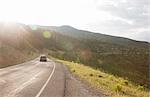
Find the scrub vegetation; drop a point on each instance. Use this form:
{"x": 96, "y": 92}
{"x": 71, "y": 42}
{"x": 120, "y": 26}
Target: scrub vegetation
{"x": 113, "y": 85}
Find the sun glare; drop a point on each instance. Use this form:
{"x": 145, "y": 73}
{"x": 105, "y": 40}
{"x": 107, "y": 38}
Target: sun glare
{"x": 48, "y": 12}
{"x": 103, "y": 16}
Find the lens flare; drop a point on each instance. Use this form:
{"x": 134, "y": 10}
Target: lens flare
{"x": 47, "y": 34}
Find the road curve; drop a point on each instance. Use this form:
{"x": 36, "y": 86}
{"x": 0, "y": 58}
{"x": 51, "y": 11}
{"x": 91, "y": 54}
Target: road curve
{"x": 32, "y": 79}
{"x": 41, "y": 79}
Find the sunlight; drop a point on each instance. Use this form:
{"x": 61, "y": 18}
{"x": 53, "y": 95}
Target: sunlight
{"x": 49, "y": 12}
{"x": 110, "y": 17}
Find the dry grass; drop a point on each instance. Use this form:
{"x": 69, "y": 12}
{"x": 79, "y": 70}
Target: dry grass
{"x": 116, "y": 86}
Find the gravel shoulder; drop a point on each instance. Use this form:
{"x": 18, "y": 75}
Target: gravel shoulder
{"x": 75, "y": 87}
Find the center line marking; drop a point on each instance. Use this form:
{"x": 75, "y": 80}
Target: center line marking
{"x": 42, "y": 89}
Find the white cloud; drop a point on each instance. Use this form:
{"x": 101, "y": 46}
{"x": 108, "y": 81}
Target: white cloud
{"x": 114, "y": 17}
{"x": 128, "y": 17}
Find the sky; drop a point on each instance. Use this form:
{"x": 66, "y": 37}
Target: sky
{"x": 125, "y": 18}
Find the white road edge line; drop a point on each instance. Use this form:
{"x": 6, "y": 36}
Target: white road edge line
{"x": 42, "y": 89}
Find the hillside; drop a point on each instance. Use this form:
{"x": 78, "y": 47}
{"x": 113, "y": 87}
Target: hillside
{"x": 116, "y": 55}
{"x": 15, "y": 44}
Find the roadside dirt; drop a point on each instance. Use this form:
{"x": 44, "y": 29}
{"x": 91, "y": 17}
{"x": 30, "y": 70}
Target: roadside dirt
{"x": 75, "y": 87}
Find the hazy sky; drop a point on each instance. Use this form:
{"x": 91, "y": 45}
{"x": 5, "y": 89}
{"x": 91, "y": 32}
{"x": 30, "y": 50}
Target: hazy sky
{"x": 127, "y": 18}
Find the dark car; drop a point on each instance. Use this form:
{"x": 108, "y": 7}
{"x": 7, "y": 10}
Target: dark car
{"x": 43, "y": 58}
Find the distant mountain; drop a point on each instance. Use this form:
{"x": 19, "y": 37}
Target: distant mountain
{"x": 117, "y": 55}
{"x": 73, "y": 32}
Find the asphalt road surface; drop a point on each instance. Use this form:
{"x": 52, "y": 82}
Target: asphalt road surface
{"x": 40, "y": 79}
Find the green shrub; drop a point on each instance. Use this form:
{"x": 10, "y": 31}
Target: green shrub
{"x": 73, "y": 70}
{"x": 125, "y": 82}
{"x": 91, "y": 74}
{"x": 118, "y": 88}
{"x": 100, "y": 76}
{"x": 140, "y": 87}
{"x": 111, "y": 78}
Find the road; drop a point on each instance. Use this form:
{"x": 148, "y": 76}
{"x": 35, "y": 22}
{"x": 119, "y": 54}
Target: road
{"x": 40, "y": 79}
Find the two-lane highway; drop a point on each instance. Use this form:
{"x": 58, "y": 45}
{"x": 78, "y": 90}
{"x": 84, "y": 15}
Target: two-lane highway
{"x": 40, "y": 79}
{"x": 31, "y": 79}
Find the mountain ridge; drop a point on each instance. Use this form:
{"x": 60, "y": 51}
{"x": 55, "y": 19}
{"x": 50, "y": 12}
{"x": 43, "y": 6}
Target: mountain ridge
{"x": 119, "y": 56}
{"x": 66, "y": 27}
